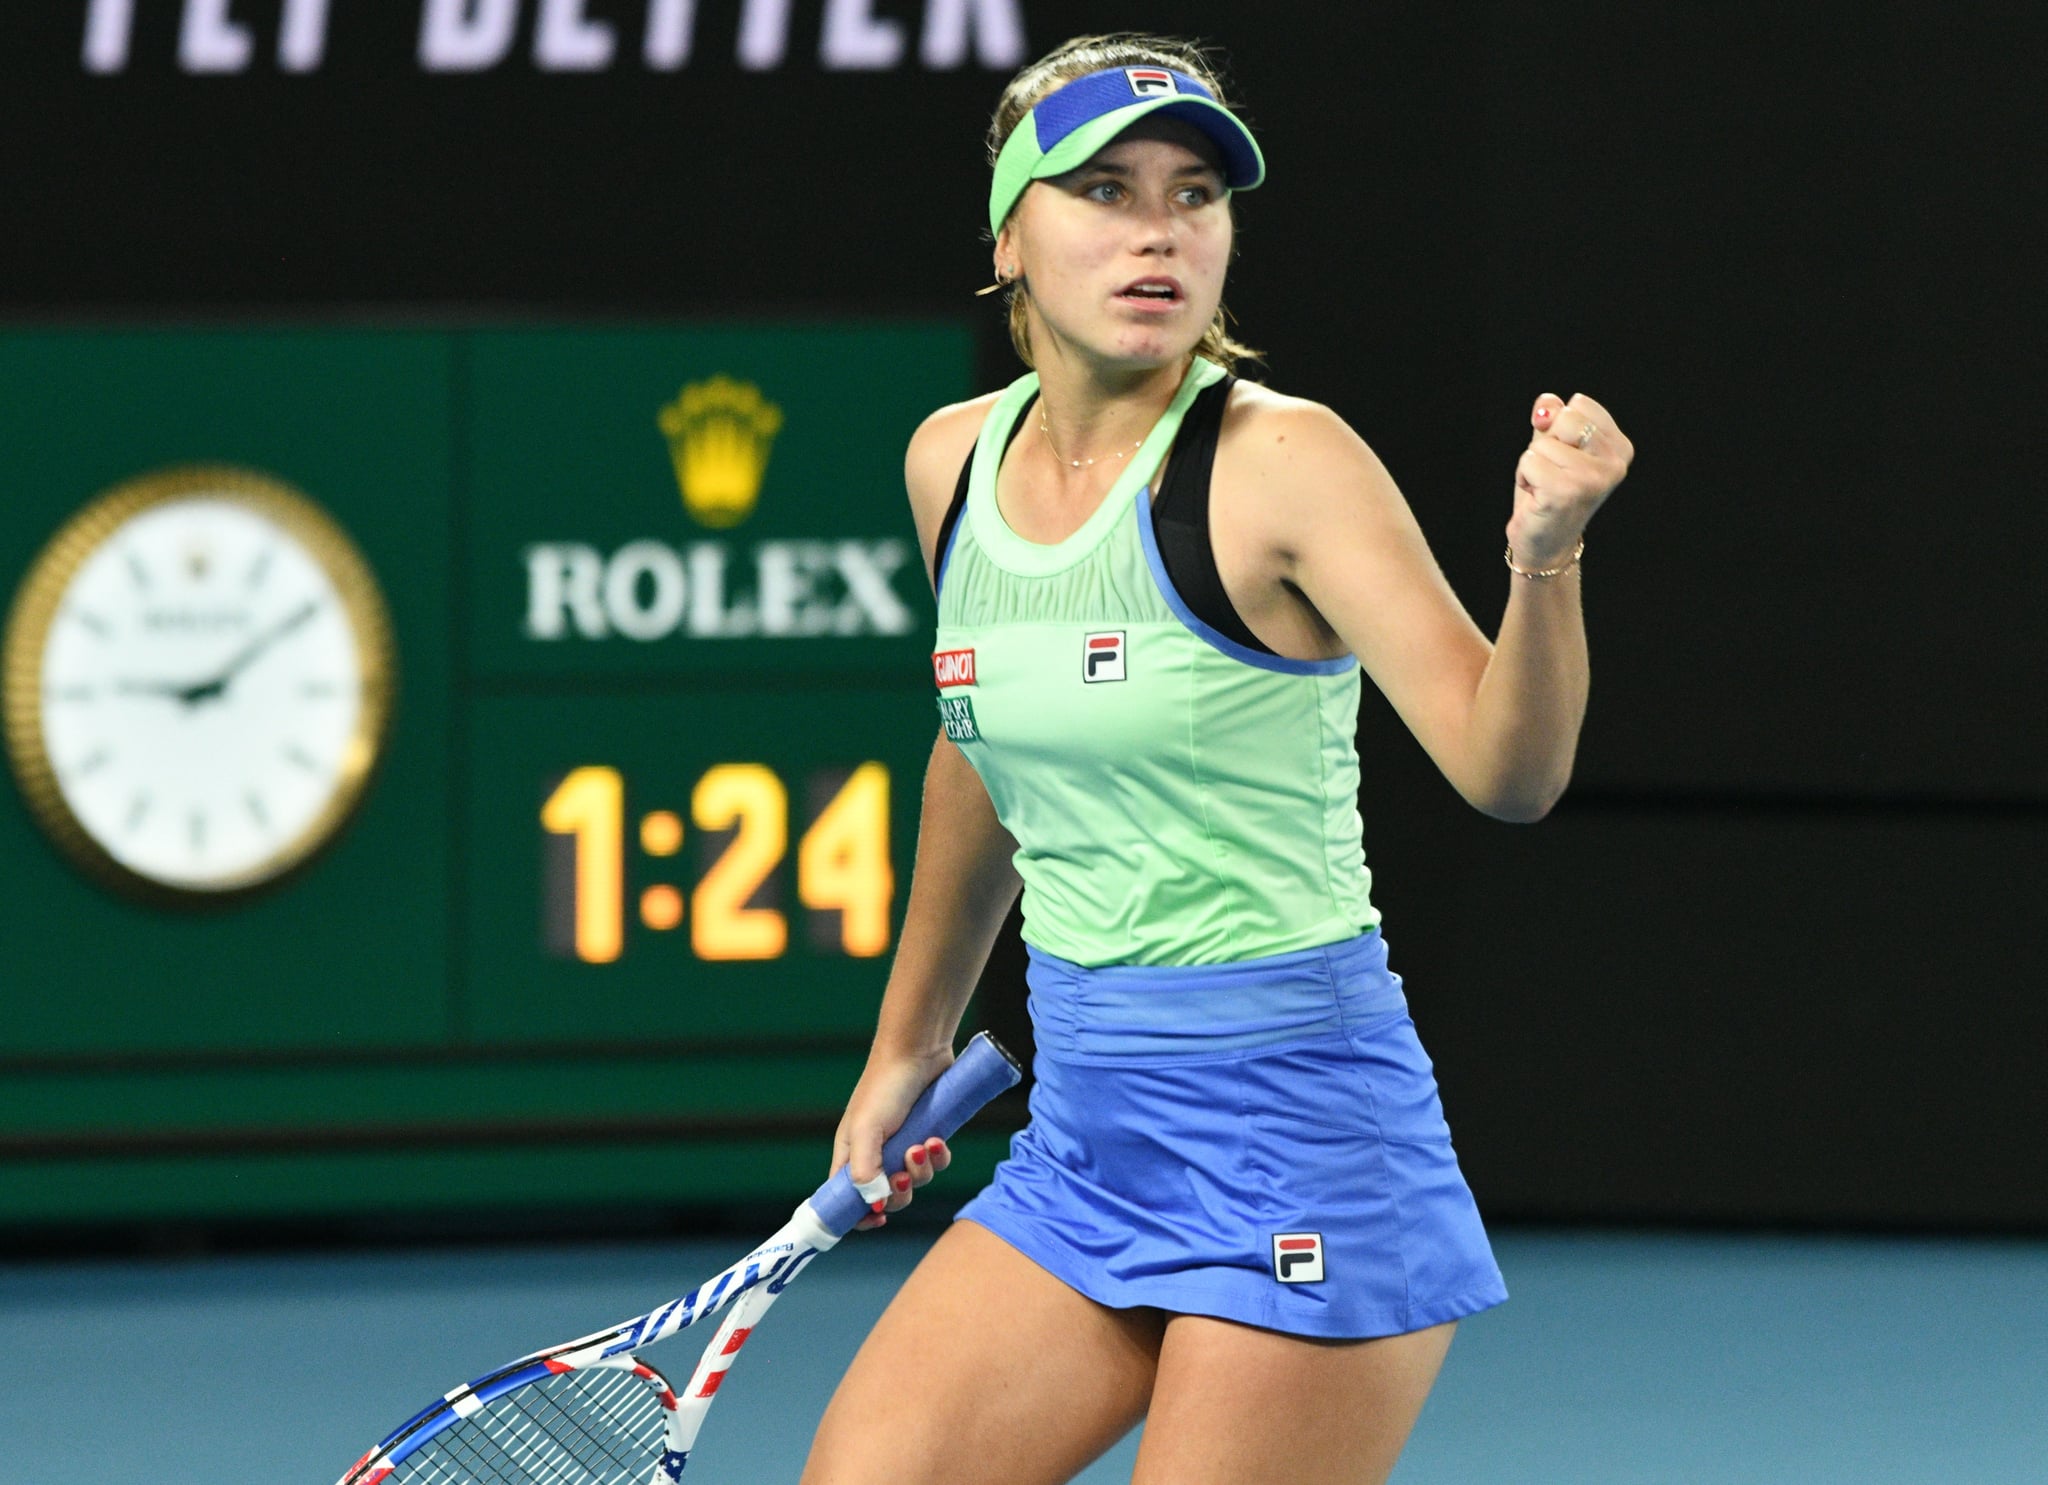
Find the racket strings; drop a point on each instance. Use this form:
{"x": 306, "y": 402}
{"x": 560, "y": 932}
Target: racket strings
{"x": 592, "y": 1426}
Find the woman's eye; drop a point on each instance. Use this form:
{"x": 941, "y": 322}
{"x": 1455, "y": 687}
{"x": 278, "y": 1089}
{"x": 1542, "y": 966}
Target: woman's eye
{"x": 1104, "y": 190}
{"x": 1196, "y": 195}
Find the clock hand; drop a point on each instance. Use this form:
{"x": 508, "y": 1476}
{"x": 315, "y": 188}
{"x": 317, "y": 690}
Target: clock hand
{"x": 210, "y": 690}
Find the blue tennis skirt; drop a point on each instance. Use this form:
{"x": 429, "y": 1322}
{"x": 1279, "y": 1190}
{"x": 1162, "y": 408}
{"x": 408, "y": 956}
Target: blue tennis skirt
{"x": 1259, "y": 1141}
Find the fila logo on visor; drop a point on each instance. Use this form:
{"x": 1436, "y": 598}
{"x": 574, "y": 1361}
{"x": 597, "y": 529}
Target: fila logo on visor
{"x": 1102, "y": 656}
{"x": 1150, "y": 82}
{"x": 1298, "y": 1257}
{"x": 953, "y": 668}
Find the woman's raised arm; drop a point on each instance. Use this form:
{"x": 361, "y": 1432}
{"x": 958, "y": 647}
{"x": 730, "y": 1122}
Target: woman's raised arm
{"x": 1500, "y": 719}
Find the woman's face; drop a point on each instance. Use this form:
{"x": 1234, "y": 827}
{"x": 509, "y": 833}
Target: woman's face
{"x": 1125, "y": 257}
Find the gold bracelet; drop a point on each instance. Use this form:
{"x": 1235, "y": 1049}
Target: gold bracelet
{"x": 1570, "y": 563}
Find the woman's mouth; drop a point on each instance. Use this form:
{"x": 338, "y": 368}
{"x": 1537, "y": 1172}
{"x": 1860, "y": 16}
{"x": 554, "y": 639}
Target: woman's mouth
{"x": 1151, "y": 294}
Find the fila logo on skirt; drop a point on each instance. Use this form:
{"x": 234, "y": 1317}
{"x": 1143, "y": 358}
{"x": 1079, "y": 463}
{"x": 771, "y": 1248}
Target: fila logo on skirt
{"x": 1102, "y": 655}
{"x": 1298, "y": 1257}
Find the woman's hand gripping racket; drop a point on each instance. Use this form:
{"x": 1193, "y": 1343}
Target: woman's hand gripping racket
{"x": 589, "y": 1412}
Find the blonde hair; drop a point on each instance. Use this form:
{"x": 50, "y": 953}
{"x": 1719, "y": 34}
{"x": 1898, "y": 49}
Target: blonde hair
{"x": 1078, "y": 58}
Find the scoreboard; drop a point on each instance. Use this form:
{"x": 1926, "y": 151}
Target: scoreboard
{"x": 615, "y": 908}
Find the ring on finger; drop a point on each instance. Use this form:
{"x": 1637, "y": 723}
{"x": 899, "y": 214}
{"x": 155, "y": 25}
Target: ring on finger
{"x": 1585, "y": 437}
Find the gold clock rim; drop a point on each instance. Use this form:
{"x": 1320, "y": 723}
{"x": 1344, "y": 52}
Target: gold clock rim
{"x": 34, "y": 611}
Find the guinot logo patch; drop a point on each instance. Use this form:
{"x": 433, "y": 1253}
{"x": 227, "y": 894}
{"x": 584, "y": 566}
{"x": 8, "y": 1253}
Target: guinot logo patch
{"x": 953, "y": 668}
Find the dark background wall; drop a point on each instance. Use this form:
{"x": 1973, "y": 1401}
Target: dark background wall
{"x": 1771, "y": 961}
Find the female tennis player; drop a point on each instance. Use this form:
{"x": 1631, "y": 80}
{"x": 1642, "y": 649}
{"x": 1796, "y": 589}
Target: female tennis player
{"x": 1236, "y": 1213}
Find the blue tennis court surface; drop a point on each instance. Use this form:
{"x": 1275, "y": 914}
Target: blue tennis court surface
{"x": 1622, "y": 1358}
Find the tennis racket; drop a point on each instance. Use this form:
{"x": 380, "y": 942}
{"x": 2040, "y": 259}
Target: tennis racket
{"x": 589, "y": 1412}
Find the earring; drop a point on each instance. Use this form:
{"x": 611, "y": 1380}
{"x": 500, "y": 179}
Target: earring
{"x": 1003, "y": 281}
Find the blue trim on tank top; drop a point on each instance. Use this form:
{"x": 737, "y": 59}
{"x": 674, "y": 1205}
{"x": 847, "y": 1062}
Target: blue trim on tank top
{"x": 1197, "y": 1009}
{"x": 1342, "y": 665}
{"x": 946, "y": 557}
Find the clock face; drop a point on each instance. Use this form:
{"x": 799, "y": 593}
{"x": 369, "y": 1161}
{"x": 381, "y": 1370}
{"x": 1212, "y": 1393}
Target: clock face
{"x": 209, "y": 667}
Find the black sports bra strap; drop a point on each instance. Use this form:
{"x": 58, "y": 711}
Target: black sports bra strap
{"x": 1184, "y": 493}
{"x": 1180, "y": 519}
{"x": 952, "y": 520}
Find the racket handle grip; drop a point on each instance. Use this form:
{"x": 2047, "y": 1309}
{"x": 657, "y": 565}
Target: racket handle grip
{"x": 981, "y": 1071}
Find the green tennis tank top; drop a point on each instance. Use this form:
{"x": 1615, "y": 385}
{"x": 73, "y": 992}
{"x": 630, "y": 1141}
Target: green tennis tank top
{"x": 1176, "y": 797}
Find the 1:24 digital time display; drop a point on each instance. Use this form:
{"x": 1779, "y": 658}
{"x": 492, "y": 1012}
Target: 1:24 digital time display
{"x": 844, "y": 879}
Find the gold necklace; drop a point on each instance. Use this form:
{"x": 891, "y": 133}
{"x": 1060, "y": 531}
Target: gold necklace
{"x": 1077, "y": 463}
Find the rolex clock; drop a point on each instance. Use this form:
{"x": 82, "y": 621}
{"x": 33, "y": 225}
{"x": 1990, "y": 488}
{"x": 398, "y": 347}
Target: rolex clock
{"x": 198, "y": 672}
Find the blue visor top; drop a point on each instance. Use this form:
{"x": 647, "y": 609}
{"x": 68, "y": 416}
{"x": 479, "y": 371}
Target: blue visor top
{"x": 1071, "y": 124}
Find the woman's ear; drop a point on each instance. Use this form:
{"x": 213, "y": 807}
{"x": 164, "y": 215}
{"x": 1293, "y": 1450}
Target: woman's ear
{"x": 1006, "y": 255}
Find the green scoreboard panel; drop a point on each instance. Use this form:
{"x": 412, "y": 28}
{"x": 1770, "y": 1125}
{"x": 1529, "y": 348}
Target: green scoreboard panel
{"x": 613, "y": 916}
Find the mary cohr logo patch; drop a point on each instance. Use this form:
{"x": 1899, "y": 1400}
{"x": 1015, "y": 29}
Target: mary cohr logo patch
{"x": 956, "y": 715}
{"x": 1298, "y": 1257}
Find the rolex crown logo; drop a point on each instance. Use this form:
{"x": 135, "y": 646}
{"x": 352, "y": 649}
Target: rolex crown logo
{"x": 719, "y": 435}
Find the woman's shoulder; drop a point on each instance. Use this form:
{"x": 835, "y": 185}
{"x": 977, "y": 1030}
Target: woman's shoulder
{"x": 937, "y": 453}
{"x": 1261, "y": 420}
{"x": 949, "y": 433}
{"x": 1274, "y": 435}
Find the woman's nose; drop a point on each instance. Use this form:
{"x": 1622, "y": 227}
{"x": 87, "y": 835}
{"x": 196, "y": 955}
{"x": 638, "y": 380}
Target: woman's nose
{"x": 1156, "y": 225}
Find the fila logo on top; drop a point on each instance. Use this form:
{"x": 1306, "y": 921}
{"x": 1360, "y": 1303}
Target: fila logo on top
{"x": 1150, "y": 82}
{"x": 1298, "y": 1257}
{"x": 1102, "y": 656}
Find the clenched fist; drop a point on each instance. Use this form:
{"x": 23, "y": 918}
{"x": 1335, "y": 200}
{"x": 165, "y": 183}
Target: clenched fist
{"x": 1576, "y": 456}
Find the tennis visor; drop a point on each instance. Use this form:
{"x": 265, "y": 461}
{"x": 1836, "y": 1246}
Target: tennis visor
{"x": 1072, "y": 123}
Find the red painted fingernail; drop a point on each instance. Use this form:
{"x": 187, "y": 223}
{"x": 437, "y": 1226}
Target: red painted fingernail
{"x": 1542, "y": 412}
{"x": 917, "y": 1157}
{"x": 901, "y": 1183}
{"x": 876, "y": 1206}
